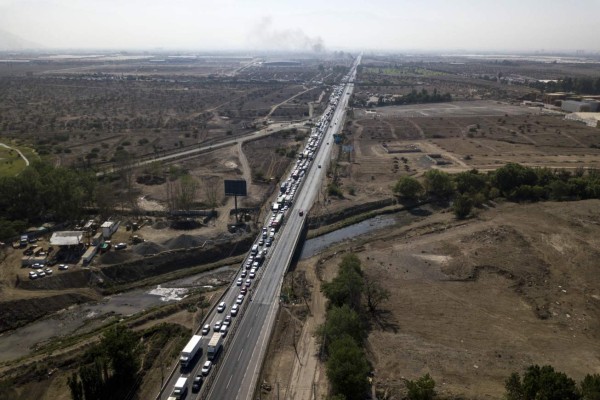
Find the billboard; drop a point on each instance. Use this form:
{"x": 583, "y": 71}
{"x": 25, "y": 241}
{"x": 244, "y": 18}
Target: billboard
{"x": 235, "y": 187}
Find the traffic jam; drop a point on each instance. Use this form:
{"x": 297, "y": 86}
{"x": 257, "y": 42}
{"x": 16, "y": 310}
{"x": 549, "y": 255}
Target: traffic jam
{"x": 213, "y": 333}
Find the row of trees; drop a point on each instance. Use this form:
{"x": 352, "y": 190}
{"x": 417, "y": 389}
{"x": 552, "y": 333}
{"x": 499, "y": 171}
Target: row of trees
{"x": 423, "y": 96}
{"x": 512, "y": 181}
{"x": 351, "y": 294}
{"x": 544, "y": 383}
{"x": 581, "y": 85}
{"x": 42, "y": 192}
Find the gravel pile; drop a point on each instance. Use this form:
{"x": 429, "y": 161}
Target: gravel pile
{"x": 184, "y": 242}
{"x": 148, "y": 248}
{"x": 160, "y": 225}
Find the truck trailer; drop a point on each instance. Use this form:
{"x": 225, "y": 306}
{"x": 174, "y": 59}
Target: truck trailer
{"x": 190, "y": 350}
{"x": 180, "y": 389}
{"x": 214, "y": 346}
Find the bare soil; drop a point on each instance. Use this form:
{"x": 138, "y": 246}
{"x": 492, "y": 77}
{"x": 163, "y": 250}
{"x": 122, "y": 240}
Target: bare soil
{"x": 460, "y": 136}
{"x": 473, "y": 301}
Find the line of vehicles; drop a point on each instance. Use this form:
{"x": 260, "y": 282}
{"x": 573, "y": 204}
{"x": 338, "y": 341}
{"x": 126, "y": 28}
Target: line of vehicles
{"x": 250, "y": 267}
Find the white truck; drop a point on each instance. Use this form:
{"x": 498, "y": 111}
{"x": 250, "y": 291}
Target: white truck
{"x": 190, "y": 350}
{"x": 180, "y": 389}
{"x": 214, "y": 346}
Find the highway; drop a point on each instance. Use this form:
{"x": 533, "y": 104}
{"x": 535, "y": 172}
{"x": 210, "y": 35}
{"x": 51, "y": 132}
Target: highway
{"x": 237, "y": 369}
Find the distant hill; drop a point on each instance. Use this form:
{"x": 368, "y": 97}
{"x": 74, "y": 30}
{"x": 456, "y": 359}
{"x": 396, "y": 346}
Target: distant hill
{"x": 12, "y": 42}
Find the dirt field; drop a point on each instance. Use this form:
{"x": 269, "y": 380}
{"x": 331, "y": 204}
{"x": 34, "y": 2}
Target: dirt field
{"x": 383, "y": 145}
{"x": 471, "y": 301}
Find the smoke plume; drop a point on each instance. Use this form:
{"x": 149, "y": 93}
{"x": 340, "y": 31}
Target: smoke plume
{"x": 265, "y": 36}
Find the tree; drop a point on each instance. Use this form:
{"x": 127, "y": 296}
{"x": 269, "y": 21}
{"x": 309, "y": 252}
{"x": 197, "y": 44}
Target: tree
{"x": 347, "y": 287}
{"x": 470, "y": 182}
{"x": 541, "y": 383}
{"x": 438, "y": 184}
{"x": 590, "y": 387}
{"x": 409, "y": 188}
{"x": 513, "y": 175}
{"x": 348, "y": 369}
{"x": 341, "y": 321}
{"x": 462, "y": 206}
{"x": 421, "y": 389}
{"x": 374, "y": 294}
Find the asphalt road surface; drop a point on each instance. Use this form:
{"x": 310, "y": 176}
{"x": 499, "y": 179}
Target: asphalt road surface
{"x": 238, "y": 375}
{"x": 236, "y": 371}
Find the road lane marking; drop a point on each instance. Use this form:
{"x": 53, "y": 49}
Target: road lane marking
{"x": 240, "y": 356}
{"x": 228, "y": 382}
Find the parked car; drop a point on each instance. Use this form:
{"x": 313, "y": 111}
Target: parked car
{"x": 41, "y": 273}
{"x": 32, "y": 275}
{"x": 120, "y": 246}
{"x": 63, "y": 267}
{"x": 48, "y": 271}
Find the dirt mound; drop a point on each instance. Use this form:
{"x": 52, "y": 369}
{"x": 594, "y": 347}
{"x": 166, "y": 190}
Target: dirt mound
{"x": 184, "y": 242}
{"x": 116, "y": 257}
{"x": 148, "y": 248}
{"x": 160, "y": 225}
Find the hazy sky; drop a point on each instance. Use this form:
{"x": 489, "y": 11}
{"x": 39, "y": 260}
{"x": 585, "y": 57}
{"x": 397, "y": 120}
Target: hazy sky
{"x": 306, "y": 24}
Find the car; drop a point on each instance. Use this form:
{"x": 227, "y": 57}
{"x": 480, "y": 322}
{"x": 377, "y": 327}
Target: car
{"x": 239, "y": 282}
{"x": 197, "y": 383}
{"x": 255, "y": 265}
{"x": 221, "y": 307}
{"x": 217, "y": 326}
{"x": 41, "y": 274}
{"x": 301, "y": 212}
{"x": 268, "y": 243}
{"x": 240, "y": 299}
{"x": 319, "y": 165}
{"x": 328, "y": 143}
{"x": 234, "y": 310}
{"x": 243, "y": 291}
{"x": 63, "y": 267}
{"x": 48, "y": 271}
{"x": 206, "y": 329}
{"x": 227, "y": 320}
{"x": 37, "y": 266}
{"x": 252, "y": 274}
{"x": 261, "y": 242}
{"x": 264, "y": 252}
{"x": 248, "y": 282}
{"x": 223, "y": 330}
{"x": 264, "y": 230}
{"x": 32, "y": 275}
{"x": 120, "y": 246}
{"x": 272, "y": 231}
{"x": 206, "y": 368}
{"x": 244, "y": 273}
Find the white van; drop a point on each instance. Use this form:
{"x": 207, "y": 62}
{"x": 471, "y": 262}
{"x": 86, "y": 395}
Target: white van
{"x": 254, "y": 249}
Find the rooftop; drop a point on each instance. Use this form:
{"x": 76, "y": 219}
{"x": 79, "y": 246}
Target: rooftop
{"x": 66, "y": 238}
